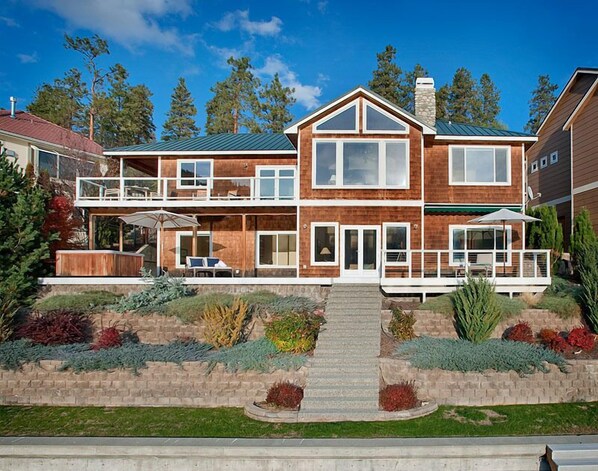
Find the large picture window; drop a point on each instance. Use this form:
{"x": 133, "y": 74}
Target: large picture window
{"x": 194, "y": 173}
{"x": 324, "y": 243}
{"x": 184, "y": 246}
{"x": 276, "y": 183}
{"x": 396, "y": 243}
{"x": 276, "y": 249}
{"x": 481, "y": 239}
{"x": 361, "y": 163}
{"x": 484, "y": 165}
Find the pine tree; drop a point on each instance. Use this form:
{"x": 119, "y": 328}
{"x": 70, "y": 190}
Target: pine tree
{"x": 180, "y": 122}
{"x": 583, "y": 233}
{"x": 442, "y": 97}
{"x": 489, "y": 108}
{"x": 407, "y": 88}
{"x": 139, "y": 111}
{"x": 543, "y": 97}
{"x": 276, "y": 101}
{"x": 462, "y": 99}
{"x": 235, "y": 104}
{"x": 386, "y": 78}
{"x": 546, "y": 233}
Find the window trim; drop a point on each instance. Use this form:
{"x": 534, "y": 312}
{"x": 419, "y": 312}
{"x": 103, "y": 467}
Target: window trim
{"x": 534, "y": 167}
{"x": 276, "y": 233}
{"x": 450, "y": 163}
{"x": 544, "y": 162}
{"x": 276, "y": 169}
{"x": 381, "y": 164}
{"x": 554, "y": 157}
{"x": 509, "y": 248}
{"x": 336, "y": 113}
{"x": 179, "y": 178}
{"x": 367, "y": 104}
{"x": 313, "y": 262}
{"x": 406, "y": 225}
{"x": 177, "y": 247}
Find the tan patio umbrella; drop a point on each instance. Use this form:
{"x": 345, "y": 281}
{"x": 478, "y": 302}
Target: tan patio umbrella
{"x": 504, "y": 215}
{"x": 159, "y": 219}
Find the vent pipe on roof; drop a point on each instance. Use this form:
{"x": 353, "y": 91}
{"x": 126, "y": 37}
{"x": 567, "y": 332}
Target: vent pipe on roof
{"x": 13, "y": 105}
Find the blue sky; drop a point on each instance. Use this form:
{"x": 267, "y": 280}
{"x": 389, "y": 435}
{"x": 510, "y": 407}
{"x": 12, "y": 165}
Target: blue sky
{"x": 323, "y": 48}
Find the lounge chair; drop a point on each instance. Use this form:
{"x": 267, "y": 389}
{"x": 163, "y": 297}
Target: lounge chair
{"x": 208, "y": 266}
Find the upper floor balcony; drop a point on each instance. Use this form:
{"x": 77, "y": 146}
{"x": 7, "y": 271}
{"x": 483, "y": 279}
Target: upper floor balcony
{"x": 276, "y": 187}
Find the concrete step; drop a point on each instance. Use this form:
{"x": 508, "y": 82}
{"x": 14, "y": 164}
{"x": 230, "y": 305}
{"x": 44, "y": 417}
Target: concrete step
{"x": 346, "y": 404}
{"x": 570, "y": 457}
{"x": 338, "y": 415}
{"x": 571, "y": 464}
{"x": 333, "y": 380}
{"x": 323, "y": 370}
{"x": 353, "y": 391}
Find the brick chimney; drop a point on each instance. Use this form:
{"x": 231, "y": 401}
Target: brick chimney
{"x": 425, "y": 100}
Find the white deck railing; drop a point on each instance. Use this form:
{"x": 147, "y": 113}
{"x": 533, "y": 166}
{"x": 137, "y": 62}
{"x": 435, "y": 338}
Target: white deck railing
{"x": 277, "y": 188}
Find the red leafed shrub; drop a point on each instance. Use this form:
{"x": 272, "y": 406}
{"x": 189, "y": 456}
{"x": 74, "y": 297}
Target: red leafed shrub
{"x": 400, "y": 396}
{"x": 581, "y": 337}
{"x": 56, "y": 328}
{"x": 285, "y": 394}
{"x": 521, "y": 332}
{"x": 552, "y": 339}
{"x": 61, "y": 220}
{"x": 547, "y": 335}
{"x": 108, "y": 338}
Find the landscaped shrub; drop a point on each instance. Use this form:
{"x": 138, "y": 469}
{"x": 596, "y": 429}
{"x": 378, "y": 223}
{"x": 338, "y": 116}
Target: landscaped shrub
{"x": 402, "y": 396}
{"x": 258, "y": 355}
{"x": 56, "y": 328}
{"x": 108, "y": 338}
{"x": 401, "y": 324}
{"x": 588, "y": 273}
{"x": 554, "y": 341}
{"x": 476, "y": 310}
{"x": 191, "y": 308}
{"x": 14, "y": 354}
{"x": 461, "y": 355}
{"x": 294, "y": 332}
{"x": 8, "y": 310}
{"x": 282, "y": 305}
{"x": 286, "y": 395}
{"x": 162, "y": 289}
{"x": 444, "y": 304}
{"x": 566, "y": 307}
{"x": 583, "y": 234}
{"x": 224, "y": 324}
{"x": 86, "y": 301}
{"x": 509, "y": 307}
{"x": 581, "y": 337}
{"x": 521, "y": 332}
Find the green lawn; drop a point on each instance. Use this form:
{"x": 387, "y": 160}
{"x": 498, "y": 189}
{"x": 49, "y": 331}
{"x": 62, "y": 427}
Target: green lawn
{"x": 550, "y": 419}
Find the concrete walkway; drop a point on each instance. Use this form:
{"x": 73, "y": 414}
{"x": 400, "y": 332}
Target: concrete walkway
{"x": 183, "y": 454}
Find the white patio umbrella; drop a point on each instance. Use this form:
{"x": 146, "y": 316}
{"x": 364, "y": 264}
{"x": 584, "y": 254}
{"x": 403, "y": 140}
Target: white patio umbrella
{"x": 504, "y": 215}
{"x": 159, "y": 219}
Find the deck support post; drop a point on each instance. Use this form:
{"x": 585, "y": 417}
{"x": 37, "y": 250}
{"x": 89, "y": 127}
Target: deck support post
{"x": 244, "y": 242}
{"x": 121, "y": 236}
{"x": 194, "y": 240}
{"x": 91, "y": 232}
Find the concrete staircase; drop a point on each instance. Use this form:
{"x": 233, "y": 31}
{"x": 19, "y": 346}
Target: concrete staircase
{"x": 573, "y": 457}
{"x": 343, "y": 375}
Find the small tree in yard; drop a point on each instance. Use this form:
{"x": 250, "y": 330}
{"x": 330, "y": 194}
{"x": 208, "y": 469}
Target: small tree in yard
{"x": 476, "y": 310}
{"x": 583, "y": 233}
{"x": 588, "y": 273}
{"x": 547, "y": 233}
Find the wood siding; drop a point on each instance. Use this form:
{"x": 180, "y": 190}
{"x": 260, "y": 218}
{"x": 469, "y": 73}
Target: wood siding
{"x": 585, "y": 144}
{"x": 589, "y": 200}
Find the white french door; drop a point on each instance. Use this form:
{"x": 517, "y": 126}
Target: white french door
{"x": 360, "y": 249}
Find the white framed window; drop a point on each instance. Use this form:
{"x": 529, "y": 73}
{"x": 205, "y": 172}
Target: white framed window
{"x": 534, "y": 166}
{"x": 360, "y": 163}
{"x": 343, "y": 120}
{"x": 477, "y": 240}
{"x": 378, "y": 121}
{"x": 479, "y": 165}
{"x": 61, "y": 166}
{"x": 554, "y": 157}
{"x": 184, "y": 246}
{"x": 192, "y": 173}
{"x": 275, "y": 182}
{"x": 544, "y": 162}
{"x": 276, "y": 249}
{"x": 396, "y": 240}
{"x": 324, "y": 243}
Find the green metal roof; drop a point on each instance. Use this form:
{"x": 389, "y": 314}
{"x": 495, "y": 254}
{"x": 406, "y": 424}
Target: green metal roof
{"x": 466, "y": 209}
{"x": 448, "y": 128}
{"x": 216, "y": 143}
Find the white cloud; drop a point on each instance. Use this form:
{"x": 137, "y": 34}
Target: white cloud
{"x": 322, "y": 6}
{"x": 131, "y": 23}
{"x": 306, "y": 95}
{"x": 239, "y": 19}
{"x": 28, "y": 58}
{"x": 10, "y": 22}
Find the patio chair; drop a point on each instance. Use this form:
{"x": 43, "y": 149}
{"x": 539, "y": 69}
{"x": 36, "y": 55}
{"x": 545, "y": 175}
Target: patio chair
{"x": 111, "y": 193}
{"x": 201, "y": 194}
{"x": 194, "y": 264}
{"x": 483, "y": 263}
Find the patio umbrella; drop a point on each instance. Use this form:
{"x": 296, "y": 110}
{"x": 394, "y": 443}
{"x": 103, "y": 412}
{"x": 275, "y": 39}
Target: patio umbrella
{"x": 159, "y": 219}
{"x": 504, "y": 215}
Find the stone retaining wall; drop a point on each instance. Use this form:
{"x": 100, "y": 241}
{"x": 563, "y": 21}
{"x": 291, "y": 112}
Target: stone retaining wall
{"x": 160, "y": 384}
{"x": 432, "y": 324}
{"x": 494, "y": 388}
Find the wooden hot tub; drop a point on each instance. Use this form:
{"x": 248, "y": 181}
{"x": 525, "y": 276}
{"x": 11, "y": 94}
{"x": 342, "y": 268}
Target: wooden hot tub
{"x": 97, "y": 263}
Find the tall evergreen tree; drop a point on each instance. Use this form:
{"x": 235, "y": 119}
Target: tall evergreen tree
{"x": 543, "y": 97}
{"x": 180, "y": 122}
{"x": 235, "y": 104}
{"x": 276, "y": 101}
{"x": 407, "y": 87}
{"x": 139, "y": 111}
{"x": 62, "y": 102}
{"x": 386, "y": 78}
{"x": 583, "y": 233}
{"x": 488, "y": 96}
{"x": 462, "y": 99}
{"x": 442, "y": 97}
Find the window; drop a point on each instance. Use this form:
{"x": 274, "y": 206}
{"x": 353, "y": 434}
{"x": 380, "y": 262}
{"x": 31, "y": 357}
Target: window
{"x": 363, "y": 163}
{"x": 276, "y": 249}
{"x": 478, "y": 238}
{"x": 544, "y": 162}
{"x": 48, "y": 161}
{"x": 376, "y": 120}
{"x": 479, "y": 165}
{"x": 554, "y": 157}
{"x": 184, "y": 246}
{"x": 534, "y": 167}
{"x": 276, "y": 183}
{"x": 396, "y": 243}
{"x": 324, "y": 237}
{"x": 344, "y": 120}
{"x": 194, "y": 173}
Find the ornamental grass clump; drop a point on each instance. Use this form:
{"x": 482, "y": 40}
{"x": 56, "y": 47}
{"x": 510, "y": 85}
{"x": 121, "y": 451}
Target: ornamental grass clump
{"x": 294, "y": 332}
{"x": 56, "y": 328}
{"x": 476, "y": 310}
{"x": 401, "y": 396}
{"x": 110, "y": 337}
{"x": 224, "y": 325}
{"x": 401, "y": 324}
{"x": 87, "y": 301}
{"x": 285, "y": 395}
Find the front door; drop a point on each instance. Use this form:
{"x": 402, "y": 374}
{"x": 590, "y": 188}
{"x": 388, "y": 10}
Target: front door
{"x": 359, "y": 248}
